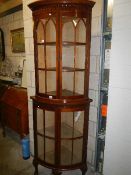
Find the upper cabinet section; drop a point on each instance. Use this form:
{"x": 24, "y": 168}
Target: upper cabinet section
{"x": 62, "y": 31}
{"x": 46, "y": 30}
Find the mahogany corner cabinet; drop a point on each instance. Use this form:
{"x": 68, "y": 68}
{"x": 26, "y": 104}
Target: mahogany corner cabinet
{"x": 62, "y": 34}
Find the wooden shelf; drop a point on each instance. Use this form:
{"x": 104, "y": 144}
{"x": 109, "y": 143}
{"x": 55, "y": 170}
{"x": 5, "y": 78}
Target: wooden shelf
{"x": 47, "y": 43}
{"x": 65, "y": 92}
{"x": 64, "y": 69}
{"x": 48, "y": 69}
{"x": 71, "y": 69}
{"x": 64, "y": 43}
{"x": 66, "y": 132}
{"x": 68, "y": 43}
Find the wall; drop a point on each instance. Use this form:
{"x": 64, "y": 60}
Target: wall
{"x": 94, "y": 77}
{"x": 118, "y": 134}
{"x": 94, "y": 71}
{"x": 8, "y": 23}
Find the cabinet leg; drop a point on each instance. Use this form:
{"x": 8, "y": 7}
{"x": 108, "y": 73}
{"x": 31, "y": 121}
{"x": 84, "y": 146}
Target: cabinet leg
{"x": 36, "y": 167}
{"x": 56, "y": 172}
{"x": 84, "y": 170}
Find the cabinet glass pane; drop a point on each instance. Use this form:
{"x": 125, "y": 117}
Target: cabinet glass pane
{"x": 41, "y": 57}
{"x": 41, "y": 75}
{"x": 50, "y": 30}
{"x": 68, "y": 30}
{"x": 69, "y": 151}
{"x": 51, "y": 56}
{"x": 41, "y": 146}
{"x": 68, "y": 56}
{"x": 49, "y": 150}
{"x": 46, "y": 149}
{"x": 77, "y": 145}
{"x": 40, "y": 121}
{"x": 40, "y": 32}
{"x": 50, "y": 124}
{"x": 79, "y": 82}
{"x": 45, "y": 123}
{"x": 78, "y": 123}
{"x": 46, "y": 30}
{"x": 66, "y": 152}
{"x": 67, "y": 83}
{"x": 81, "y": 31}
{"x": 80, "y": 57}
{"x": 66, "y": 124}
{"x": 72, "y": 124}
{"x": 51, "y": 81}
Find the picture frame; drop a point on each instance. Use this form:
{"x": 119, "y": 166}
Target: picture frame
{"x": 2, "y": 45}
{"x": 17, "y": 40}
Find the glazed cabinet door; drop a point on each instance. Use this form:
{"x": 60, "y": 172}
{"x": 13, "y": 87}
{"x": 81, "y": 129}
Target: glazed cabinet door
{"x": 46, "y": 54}
{"x": 72, "y": 127}
{"x": 74, "y": 34}
{"x": 45, "y": 135}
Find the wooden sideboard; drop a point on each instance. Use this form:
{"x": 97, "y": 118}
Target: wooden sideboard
{"x": 3, "y": 88}
{"x": 14, "y": 110}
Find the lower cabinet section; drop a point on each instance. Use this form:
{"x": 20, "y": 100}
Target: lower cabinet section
{"x": 60, "y": 136}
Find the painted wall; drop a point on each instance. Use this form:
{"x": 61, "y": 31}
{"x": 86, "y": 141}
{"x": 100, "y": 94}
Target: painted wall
{"x": 8, "y": 23}
{"x": 118, "y": 135}
{"x": 94, "y": 71}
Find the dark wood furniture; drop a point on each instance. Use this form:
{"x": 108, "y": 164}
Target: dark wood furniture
{"x": 2, "y": 91}
{"x": 2, "y": 45}
{"x": 62, "y": 33}
{"x": 14, "y": 110}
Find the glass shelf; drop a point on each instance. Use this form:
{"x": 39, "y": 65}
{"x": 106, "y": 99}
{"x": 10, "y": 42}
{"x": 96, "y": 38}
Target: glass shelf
{"x": 66, "y": 132}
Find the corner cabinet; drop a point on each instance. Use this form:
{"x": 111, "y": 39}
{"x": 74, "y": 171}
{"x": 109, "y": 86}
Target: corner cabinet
{"x": 62, "y": 33}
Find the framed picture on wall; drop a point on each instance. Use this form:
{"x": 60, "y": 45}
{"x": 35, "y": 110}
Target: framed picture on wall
{"x": 17, "y": 40}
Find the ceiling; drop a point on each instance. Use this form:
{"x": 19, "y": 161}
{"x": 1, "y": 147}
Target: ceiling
{"x": 6, "y": 5}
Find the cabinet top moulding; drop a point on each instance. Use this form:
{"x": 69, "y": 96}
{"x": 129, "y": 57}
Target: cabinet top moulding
{"x": 40, "y": 3}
